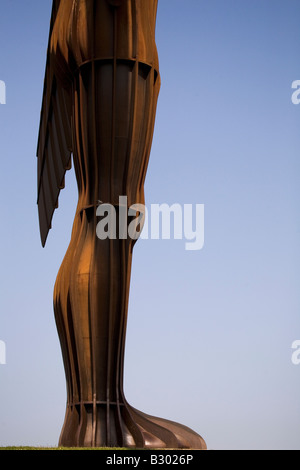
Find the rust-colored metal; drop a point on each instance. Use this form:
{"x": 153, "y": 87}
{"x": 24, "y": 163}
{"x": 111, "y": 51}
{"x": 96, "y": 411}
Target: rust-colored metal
{"x": 99, "y": 104}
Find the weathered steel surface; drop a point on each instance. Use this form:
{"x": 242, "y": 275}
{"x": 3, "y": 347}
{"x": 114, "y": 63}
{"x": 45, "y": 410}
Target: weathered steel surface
{"x": 99, "y": 104}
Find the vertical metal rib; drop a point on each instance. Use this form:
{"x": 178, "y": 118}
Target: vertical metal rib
{"x": 148, "y": 140}
{"x": 78, "y": 144}
{"x": 124, "y": 244}
{"x": 95, "y": 160}
{"x": 84, "y": 141}
{"x": 111, "y": 242}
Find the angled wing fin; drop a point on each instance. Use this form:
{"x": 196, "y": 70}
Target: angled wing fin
{"x": 54, "y": 142}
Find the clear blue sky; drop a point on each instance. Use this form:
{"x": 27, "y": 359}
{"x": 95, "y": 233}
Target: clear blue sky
{"x": 215, "y": 326}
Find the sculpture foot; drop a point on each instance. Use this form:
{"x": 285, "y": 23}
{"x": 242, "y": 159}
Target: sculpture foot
{"x": 165, "y": 434}
{"x": 121, "y": 425}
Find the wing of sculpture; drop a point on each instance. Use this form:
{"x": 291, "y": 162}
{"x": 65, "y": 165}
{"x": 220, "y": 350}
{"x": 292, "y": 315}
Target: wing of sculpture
{"x": 54, "y": 142}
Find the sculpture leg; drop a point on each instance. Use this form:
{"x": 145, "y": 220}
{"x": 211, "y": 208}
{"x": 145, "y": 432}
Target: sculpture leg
{"x": 91, "y": 313}
{"x": 91, "y": 308}
{"x": 114, "y": 109}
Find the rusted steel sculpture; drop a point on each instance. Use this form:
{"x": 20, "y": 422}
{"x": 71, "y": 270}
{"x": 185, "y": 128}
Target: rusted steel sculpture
{"x": 99, "y": 103}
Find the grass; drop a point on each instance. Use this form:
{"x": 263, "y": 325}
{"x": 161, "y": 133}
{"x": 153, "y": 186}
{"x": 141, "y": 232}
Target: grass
{"x": 61, "y": 448}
